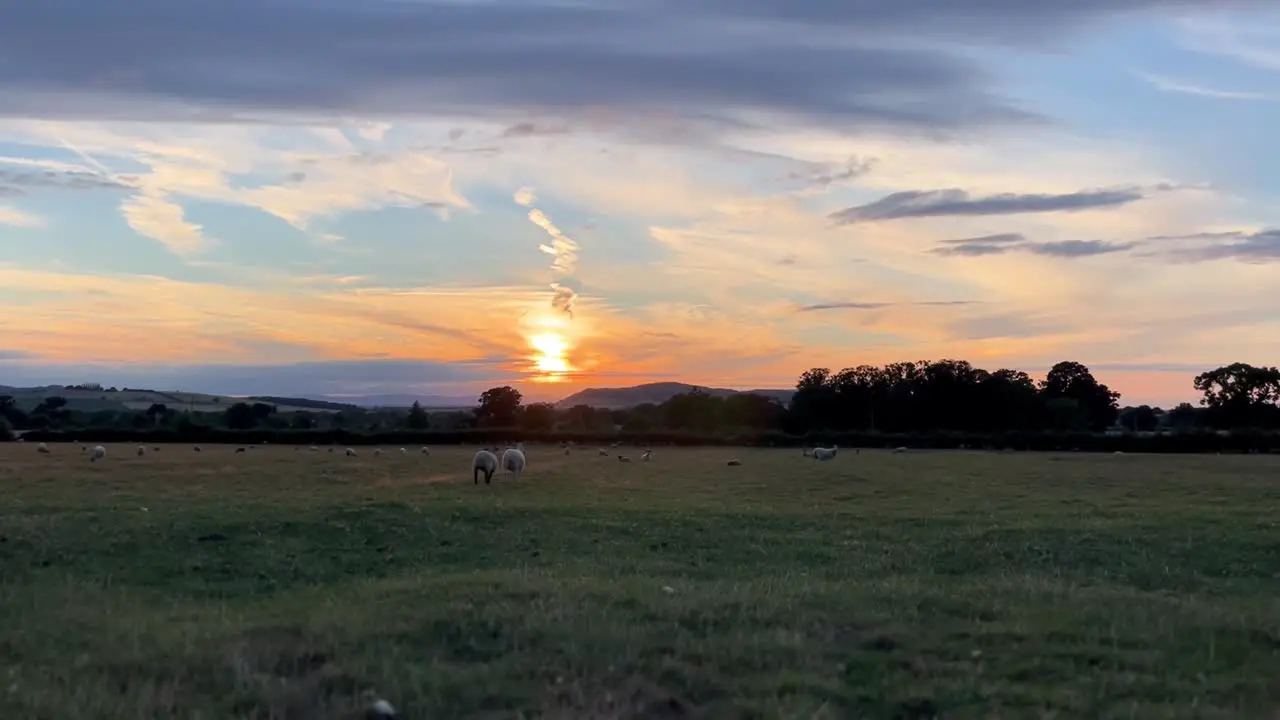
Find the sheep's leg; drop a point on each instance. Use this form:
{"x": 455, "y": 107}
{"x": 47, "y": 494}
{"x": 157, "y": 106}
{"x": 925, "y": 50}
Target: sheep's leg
{"x": 488, "y": 475}
{"x": 476, "y": 473}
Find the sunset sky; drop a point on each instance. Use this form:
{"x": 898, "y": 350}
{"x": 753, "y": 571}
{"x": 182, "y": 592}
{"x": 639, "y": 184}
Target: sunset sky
{"x": 437, "y": 196}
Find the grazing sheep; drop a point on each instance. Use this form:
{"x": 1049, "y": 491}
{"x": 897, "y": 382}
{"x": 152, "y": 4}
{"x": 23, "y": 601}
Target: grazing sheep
{"x": 42, "y": 449}
{"x": 403, "y": 451}
{"x": 647, "y": 454}
{"x": 377, "y": 451}
{"x": 624, "y": 458}
{"x": 97, "y": 453}
{"x": 513, "y": 461}
{"x": 351, "y": 453}
{"x": 426, "y": 450}
{"x": 825, "y": 453}
{"x": 899, "y": 449}
{"x": 567, "y": 450}
{"x": 196, "y": 448}
{"x": 484, "y": 462}
{"x": 314, "y": 448}
{"x": 734, "y": 462}
{"x": 142, "y": 450}
{"x": 239, "y": 449}
{"x": 604, "y": 453}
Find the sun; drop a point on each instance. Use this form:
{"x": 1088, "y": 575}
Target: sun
{"x": 551, "y": 349}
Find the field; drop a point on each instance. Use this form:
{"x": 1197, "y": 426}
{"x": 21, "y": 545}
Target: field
{"x": 290, "y": 584}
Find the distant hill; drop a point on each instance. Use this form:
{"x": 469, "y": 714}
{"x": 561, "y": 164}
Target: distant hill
{"x": 404, "y": 400}
{"x": 656, "y": 393}
{"x": 90, "y": 399}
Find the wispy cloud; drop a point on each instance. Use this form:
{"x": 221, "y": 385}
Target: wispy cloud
{"x": 881, "y": 305}
{"x": 562, "y": 248}
{"x": 1187, "y": 88}
{"x": 17, "y": 218}
{"x": 155, "y": 216}
{"x": 956, "y": 202}
{"x": 1016, "y": 242}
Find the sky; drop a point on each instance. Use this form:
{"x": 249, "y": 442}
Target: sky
{"x": 439, "y": 196}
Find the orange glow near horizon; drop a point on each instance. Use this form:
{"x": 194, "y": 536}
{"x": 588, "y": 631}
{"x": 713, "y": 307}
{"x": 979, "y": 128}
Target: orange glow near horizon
{"x": 551, "y": 356}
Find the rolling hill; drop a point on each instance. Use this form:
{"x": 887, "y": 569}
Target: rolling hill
{"x": 657, "y": 393}
{"x": 88, "y": 399}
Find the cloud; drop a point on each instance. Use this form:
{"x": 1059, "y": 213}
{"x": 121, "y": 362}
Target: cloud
{"x": 1258, "y": 247}
{"x": 155, "y": 216}
{"x": 956, "y": 202}
{"x": 1078, "y": 248}
{"x": 1186, "y": 88}
{"x": 1016, "y": 242}
{"x": 817, "y": 61}
{"x": 16, "y": 181}
{"x": 828, "y": 173}
{"x": 17, "y": 218}
{"x": 879, "y": 305}
{"x": 532, "y": 129}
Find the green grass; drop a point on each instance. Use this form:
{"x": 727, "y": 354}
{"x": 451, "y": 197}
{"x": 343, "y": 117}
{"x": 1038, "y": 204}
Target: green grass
{"x": 955, "y": 584}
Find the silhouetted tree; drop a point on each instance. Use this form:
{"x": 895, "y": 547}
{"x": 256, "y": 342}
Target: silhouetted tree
{"x": 499, "y": 407}
{"x": 417, "y": 419}
{"x": 538, "y": 417}
{"x": 1241, "y": 395}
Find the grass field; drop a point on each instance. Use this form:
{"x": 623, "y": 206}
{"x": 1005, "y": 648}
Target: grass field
{"x": 289, "y": 584}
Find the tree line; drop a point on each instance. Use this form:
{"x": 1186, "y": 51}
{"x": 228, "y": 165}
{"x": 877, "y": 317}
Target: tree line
{"x": 928, "y": 403}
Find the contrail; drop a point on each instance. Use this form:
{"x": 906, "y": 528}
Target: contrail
{"x": 562, "y": 248}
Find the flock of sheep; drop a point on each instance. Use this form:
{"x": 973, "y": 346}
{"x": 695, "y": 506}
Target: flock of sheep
{"x": 486, "y": 462}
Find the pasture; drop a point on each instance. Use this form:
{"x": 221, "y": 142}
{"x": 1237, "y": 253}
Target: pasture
{"x": 285, "y": 583}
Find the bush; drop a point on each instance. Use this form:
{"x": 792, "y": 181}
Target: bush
{"x": 6, "y": 430}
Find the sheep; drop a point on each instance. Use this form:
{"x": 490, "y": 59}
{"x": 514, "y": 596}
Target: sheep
{"x": 604, "y": 453}
{"x": 484, "y": 462}
{"x": 624, "y": 458}
{"x": 403, "y": 451}
{"x": 239, "y": 449}
{"x": 42, "y": 449}
{"x": 806, "y": 453}
{"x": 647, "y": 454}
{"x": 513, "y": 461}
{"x": 314, "y": 448}
{"x": 97, "y": 453}
{"x": 899, "y": 449}
{"x": 734, "y": 462}
{"x": 142, "y": 450}
{"x": 824, "y": 453}
{"x": 155, "y": 448}
{"x": 377, "y": 451}
{"x": 350, "y": 452}
{"x": 425, "y": 450}
{"x": 567, "y": 450}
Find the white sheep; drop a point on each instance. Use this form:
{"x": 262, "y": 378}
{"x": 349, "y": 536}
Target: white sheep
{"x": 403, "y": 451}
{"x": 647, "y": 454}
{"x": 426, "y": 450}
{"x": 377, "y": 451}
{"x": 314, "y": 448}
{"x": 513, "y": 461}
{"x": 734, "y": 462}
{"x": 567, "y": 450}
{"x": 351, "y": 453}
{"x": 42, "y": 449}
{"x": 142, "y": 450}
{"x": 196, "y": 448}
{"x": 484, "y": 462}
{"x": 825, "y": 453}
{"x": 604, "y": 453}
{"x": 97, "y": 453}
{"x": 899, "y": 449}
{"x": 624, "y": 458}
